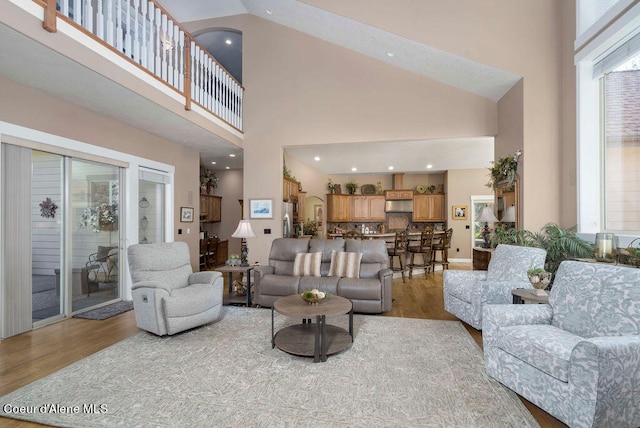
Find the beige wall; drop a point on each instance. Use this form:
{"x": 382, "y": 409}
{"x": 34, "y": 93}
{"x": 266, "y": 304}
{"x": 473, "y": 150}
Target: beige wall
{"x": 302, "y": 91}
{"x": 36, "y": 110}
{"x": 230, "y": 189}
{"x": 461, "y": 185}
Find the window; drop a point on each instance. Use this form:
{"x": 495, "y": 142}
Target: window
{"x": 620, "y": 102}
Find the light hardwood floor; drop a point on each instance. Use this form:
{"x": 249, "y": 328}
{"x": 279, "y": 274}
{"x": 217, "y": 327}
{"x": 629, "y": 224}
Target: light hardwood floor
{"x": 33, "y": 355}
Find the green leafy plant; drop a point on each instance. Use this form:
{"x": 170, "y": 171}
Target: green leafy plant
{"x": 535, "y": 271}
{"x": 331, "y": 187}
{"x": 286, "y": 173}
{"x": 309, "y": 227}
{"x": 504, "y": 171}
{"x": 351, "y": 187}
{"x": 559, "y": 243}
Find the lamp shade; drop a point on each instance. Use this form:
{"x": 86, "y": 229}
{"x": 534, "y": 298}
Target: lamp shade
{"x": 487, "y": 215}
{"x": 510, "y": 215}
{"x": 244, "y": 230}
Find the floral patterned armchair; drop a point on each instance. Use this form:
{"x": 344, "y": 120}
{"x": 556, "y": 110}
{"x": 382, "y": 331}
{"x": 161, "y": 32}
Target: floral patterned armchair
{"x": 466, "y": 292}
{"x": 578, "y": 357}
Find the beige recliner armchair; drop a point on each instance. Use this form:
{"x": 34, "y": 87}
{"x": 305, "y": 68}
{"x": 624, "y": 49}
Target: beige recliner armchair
{"x": 167, "y": 296}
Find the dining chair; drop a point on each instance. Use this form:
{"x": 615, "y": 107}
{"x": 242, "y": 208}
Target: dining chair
{"x": 204, "y": 254}
{"x": 423, "y": 247}
{"x": 398, "y": 250}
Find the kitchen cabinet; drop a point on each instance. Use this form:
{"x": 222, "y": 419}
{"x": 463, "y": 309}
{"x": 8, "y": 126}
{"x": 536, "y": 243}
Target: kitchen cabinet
{"x": 338, "y": 208}
{"x": 210, "y": 208}
{"x": 368, "y": 208}
{"x": 301, "y": 211}
{"x": 289, "y": 190}
{"x": 428, "y": 207}
{"x": 393, "y": 195}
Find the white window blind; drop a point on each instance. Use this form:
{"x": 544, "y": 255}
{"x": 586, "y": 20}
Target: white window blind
{"x": 618, "y": 56}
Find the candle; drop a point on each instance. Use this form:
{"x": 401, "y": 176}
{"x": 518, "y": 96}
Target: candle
{"x": 605, "y": 247}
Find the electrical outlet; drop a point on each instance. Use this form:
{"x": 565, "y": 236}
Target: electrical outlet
{"x": 179, "y": 231}
{"x": 267, "y": 231}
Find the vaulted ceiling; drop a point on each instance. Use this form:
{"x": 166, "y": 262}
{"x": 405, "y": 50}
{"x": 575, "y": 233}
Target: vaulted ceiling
{"x": 399, "y": 51}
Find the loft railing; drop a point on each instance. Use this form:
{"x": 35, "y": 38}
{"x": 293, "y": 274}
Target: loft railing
{"x": 145, "y": 33}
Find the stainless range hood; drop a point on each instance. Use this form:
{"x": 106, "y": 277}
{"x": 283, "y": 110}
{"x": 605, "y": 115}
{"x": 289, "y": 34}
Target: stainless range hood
{"x": 403, "y": 206}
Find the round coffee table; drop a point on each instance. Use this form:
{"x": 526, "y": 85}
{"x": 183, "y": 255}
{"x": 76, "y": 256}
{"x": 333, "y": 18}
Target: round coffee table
{"x": 317, "y": 340}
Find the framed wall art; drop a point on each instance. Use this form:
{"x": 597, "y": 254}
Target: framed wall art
{"x": 261, "y": 208}
{"x": 186, "y": 214}
{"x": 459, "y": 212}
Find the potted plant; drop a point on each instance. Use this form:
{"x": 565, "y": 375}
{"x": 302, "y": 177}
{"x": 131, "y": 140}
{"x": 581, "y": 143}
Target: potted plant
{"x": 331, "y": 187}
{"x": 351, "y": 187}
{"x": 560, "y": 244}
{"x": 503, "y": 172}
{"x": 310, "y": 228}
{"x": 431, "y": 188}
{"x": 540, "y": 279}
{"x": 234, "y": 260}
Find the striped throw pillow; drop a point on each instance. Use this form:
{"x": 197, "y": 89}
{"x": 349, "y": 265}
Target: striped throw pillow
{"x": 345, "y": 264}
{"x": 307, "y": 264}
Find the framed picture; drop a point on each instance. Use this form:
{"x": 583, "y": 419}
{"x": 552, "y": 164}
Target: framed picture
{"x": 261, "y": 208}
{"x": 186, "y": 214}
{"x": 459, "y": 212}
{"x": 317, "y": 216}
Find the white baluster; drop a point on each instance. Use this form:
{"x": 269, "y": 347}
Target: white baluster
{"x": 127, "y": 30}
{"x": 225, "y": 103}
{"x": 210, "y": 69}
{"x": 170, "y": 50}
{"x": 136, "y": 31}
{"x": 119, "y": 32}
{"x": 88, "y": 16}
{"x": 217, "y": 107}
{"x": 65, "y": 8}
{"x": 203, "y": 77}
{"x": 159, "y": 46}
{"x": 143, "y": 45}
{"x": 182, "y": 63}
{"x": 151, "y": 38}
{"x": 240, "y": 109}
{"x": 100, "y": 21}
{"x": 176, "y": 56}
{"x": 109, "y": 24}
{"x": 77, "y": 12}
{"x": 193, "y": 69}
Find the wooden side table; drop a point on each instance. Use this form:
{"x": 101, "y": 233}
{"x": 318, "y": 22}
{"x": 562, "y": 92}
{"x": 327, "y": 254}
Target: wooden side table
{"x": 481, "y": 258}
{"x": 232, "y": 298}
{"x": 526, "y": 295}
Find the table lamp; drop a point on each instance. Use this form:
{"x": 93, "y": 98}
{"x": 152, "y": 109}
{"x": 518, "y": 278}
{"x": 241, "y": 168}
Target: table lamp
{"x": 510, "y": 215}
{"x": 244, "y": 231}
{"x": 486, "y": 215}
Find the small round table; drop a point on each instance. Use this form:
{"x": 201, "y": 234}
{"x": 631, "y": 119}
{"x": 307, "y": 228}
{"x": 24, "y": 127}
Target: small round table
{"x": 317, "y": 340}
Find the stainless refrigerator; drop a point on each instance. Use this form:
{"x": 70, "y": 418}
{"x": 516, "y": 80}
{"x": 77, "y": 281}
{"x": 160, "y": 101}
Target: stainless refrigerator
{"x": 287, "y": 220}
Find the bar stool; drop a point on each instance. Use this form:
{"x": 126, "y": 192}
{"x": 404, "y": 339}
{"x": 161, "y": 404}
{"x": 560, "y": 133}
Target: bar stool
{"x": 442, "y": 243}
{"x": 424, "y": 248}
{"x": 212, "y": 253}
{"x": 204, "y": 254}
{"x": 398, "y": 250}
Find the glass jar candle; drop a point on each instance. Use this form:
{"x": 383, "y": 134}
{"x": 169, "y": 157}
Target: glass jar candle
{"x": 605, "y": 247}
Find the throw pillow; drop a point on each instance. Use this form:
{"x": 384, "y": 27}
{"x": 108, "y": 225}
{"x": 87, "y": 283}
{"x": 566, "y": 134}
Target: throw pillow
{"x": 307, "y": 264}
{"x": 345, "y": 264}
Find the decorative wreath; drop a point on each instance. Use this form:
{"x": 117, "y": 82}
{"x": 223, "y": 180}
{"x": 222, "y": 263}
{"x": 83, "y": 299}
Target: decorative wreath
{"x": 48, "y": 208}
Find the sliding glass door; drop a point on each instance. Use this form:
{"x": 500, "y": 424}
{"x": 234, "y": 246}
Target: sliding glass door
{"x": 95, "y": 233}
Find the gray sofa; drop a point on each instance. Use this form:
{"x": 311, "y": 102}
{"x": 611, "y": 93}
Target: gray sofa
{"x": 578, "y": 357}
{"x": 370, "y": 293}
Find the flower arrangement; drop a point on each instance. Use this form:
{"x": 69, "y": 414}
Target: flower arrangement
{"x": 209, "y": 179}
{"x": 310, "y": 228}
{"x": 504, "y": 170}
{"x": 101, "y": 217}
{"x": 331, "y": 187}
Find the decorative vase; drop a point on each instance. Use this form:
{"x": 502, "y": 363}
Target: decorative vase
{"x": 605, "y": 247}
{"x": 540, "y": 282}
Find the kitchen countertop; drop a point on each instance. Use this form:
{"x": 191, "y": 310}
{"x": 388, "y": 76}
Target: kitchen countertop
{"x": 382, "y": 235}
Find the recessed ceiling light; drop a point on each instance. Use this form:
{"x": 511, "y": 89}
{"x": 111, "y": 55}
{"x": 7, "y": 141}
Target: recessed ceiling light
{"x": 213, "y": 163}
{"x": 429, "y": 166}
{"x": 268, "y": 12}
{"x": 390, "y": 54}
{"x": 317, "y": 158}
{"x": 354, "y": 169}
{"x": 390, "y": 168}
{"x": 227, "y": 167}
{"x": 228, "y": 41}
{"x": 232, "y": 155}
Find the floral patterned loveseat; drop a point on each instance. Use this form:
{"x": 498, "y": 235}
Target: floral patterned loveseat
{"x": 577, "y": 357}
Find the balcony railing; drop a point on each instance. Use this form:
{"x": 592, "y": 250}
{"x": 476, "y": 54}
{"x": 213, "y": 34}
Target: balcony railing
{"x": 145, "y": 33}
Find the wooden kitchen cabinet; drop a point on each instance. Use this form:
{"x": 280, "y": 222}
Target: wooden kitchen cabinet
{"x": 338, "y": 208}
{"x": 210, "y": 208}
{"x": 289, "y": 190}
{"x": 368, "y": 208}
{"x": 392, "y": 195}
{"x": 428, "y": 207}
{"x": 302, "y": 196}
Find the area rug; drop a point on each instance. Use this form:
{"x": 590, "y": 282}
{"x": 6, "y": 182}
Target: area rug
{"x": 107, "y": 311}
{"x": 398, "y": 372}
